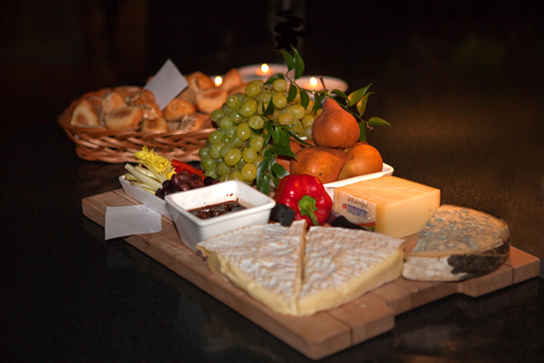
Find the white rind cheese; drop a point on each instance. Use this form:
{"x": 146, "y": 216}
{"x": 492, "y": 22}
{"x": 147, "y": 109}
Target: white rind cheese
{"x": 342, "y": 264}
{"x": 299, "y": 273}
{"x": 263, "y": 260}
{"x": 456, "y": 244}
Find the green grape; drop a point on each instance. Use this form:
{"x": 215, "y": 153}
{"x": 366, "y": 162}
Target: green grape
{"x": 230, "y": 130}
{"x": 226, "y": 149}
{"x": 203, "y": 152}
{"x": 318, "y": 112}
{"x": 310, "y": 106}
{"x": 225, "y": 122}
{"x": 215, "y": 136}
{"x": 223, "y": 178}
{"x": 217, "y": 115}
{"x": 286, "y": 119}
{"x": 308, "y": 120}
{"x": 256, "y": 122}
{"x": 249, "y": 172}
{"x": 215, "y": 150}
{"x": 279, "y": 85}
{"x": 211, "y": 173}
{"x": 236, "y": 175}
{"x": 233, "y": 102}
{"x": 258, "y": 161}
{"x": 257, "y": 143}
{"x": 232, "y": 157}
{"x": 208, "y": 164}
{"x": 308, "y": 132}
{"x": 253, "y": 88}
{"x": 279, "y": 100}
{"x": 243, "y": 131}
{"x": 298, "y": 128}
{"x": 226, "y": 110}
{"x": 236, "y": 141}
{"x": 248, "y": 108}
{"x": 249, "y": 155}
{"x": 236, "y": 117}
{"x": 297, "y": 111}
{"x": 265, "y": 98}
{"x": 240, "y": 165}
{"x": 223, "y": 169}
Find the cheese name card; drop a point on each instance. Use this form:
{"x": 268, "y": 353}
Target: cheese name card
{"x": 389, "y": 205}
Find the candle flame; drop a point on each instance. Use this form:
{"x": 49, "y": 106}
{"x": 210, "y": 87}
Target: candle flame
{"x": 265, "y": 68}
{"x": 218, "y": 80}
{"x": 313, "y": 81}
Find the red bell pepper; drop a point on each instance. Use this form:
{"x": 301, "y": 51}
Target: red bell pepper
{"x": 307, "y": 196}
{"x": 180, "y": 166}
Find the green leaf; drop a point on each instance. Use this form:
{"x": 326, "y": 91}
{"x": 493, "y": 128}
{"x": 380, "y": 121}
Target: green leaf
{"x": 361, "y": 105}
{"x": 289, "y": 59}
{"x": 355, "y": 96}
{"x": 274, "y": 77}
{"x": 264, "y": 185}
{"x": 279, "y": 170}
{"x": 318, "y": 99}
{"x": 377, "y": 121}
{"x": 293, "y": 90}
{"x": 339, "y": 93}
{"x": 280, "y": 149}
{"x": 304, "y": 98}
{"x": 298, "y": 139}
{"x": 269, "y": 109}
{"x": 362, "y": 129}
{"x": 299, "y": 64}
{"x": 267, "y": 127}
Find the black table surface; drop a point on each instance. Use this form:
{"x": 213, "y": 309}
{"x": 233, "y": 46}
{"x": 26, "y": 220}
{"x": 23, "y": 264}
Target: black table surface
{"x": 69, "y": 295}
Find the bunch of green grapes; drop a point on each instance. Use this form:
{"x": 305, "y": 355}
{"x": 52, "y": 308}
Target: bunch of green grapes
{"x": 238, "y": 146}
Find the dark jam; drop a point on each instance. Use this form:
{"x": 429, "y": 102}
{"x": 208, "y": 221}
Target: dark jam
{"x": 216, "y": 210}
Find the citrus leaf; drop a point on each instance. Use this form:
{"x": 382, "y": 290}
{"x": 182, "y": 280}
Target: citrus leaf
{"x": 304, "y": 98}
{"x": 362, "y": 129}
{"x": 292, "y": 92}
{"x": 339, "y": 93}
{"x": 361, "y": 105}
{"x": 267, "y": 133}
{"x": 274, "y": 77}
{"x": 280, "y": 149}
{"x": 355, "y": 96}
{"x": 299, "y": 64}
{"x": 377, "y": 121}
{"x": 279, "y": 170}
{"x": 289, "y": 60}
{"x": 318, "y": 99}
{"x": 269, "y": 109}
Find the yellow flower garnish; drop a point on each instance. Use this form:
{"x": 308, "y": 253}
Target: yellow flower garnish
{"x": 158, "y": 163}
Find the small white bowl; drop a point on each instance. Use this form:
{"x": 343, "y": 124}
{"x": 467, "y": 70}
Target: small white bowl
{"x": 146, "y": 198}
{"x": 192, "y": 229}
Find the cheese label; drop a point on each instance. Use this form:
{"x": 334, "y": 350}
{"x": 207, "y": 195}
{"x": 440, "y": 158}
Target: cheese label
{"x": 357, "y": 210}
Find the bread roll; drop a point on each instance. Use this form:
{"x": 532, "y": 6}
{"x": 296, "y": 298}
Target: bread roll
{"x": 191, "y": 122}
{"x": 231, "y": 80}
{"x": 198, "y": 81}
{"x": 241, "y": 88}
{"x": 177, "y": 108}
{"x": 145, "y": 100}
{"x": 112, "y": 101}
{"x": 210, "y": 100}
{"x": 156, "y": 125}
{"x": 124, "y": 119}
{"x": 126, "y": 91}
{"x": 85, "y": 115}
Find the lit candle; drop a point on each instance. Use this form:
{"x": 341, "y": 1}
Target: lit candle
{"x": 218, "y": 80}
{"x": 264, "y": 70}
{"x": 311, "y": 84}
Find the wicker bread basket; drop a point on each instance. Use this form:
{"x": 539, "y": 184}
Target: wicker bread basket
{"x": 100, "y": 144}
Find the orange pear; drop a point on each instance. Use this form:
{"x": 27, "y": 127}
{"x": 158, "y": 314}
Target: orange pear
{"x": 335, "y": 127}
{"x": 361, "y": 159}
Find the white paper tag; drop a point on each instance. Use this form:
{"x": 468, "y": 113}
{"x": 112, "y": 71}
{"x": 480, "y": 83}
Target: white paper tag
{"x": 131, "y": 220}
{"x": 166, "y": 84}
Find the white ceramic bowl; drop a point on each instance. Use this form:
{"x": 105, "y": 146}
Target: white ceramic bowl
{"x": 192, "y": 229}
{"x": 146, "y": 198}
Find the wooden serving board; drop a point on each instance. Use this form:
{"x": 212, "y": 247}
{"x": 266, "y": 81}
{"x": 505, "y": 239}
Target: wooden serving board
{"x": 326, "y": 332}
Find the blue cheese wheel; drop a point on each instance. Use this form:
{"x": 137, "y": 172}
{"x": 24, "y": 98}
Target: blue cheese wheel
{"x": 457, "y": 244}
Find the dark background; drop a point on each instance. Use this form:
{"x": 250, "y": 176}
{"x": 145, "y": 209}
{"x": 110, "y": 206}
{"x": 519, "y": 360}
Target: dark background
{"x": 460, "y": 81}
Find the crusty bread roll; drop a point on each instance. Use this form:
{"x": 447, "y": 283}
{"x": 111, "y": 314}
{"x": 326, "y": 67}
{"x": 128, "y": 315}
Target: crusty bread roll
{"x": 126, "y": 91}
{"x": 241, "y": 88}
{"x": 112, "y": 101}
{"x": 145, "y": 100}
{"x": 85, "y": 115}
{"x": 198, "y": 81}
{"x": 177, "y": 108}
{"x": 192, "y": 122}
{"x": 124, "y": 119}
{"x": 231, "y": 80}
{"x": 156, "y": 125}
{"x": 210, "y": 99}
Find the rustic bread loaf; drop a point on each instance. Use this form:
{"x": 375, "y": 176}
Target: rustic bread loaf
{"x": 457, "y": 244}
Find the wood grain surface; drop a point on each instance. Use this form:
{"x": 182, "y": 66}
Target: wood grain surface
{"x": 326, "y": 332}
